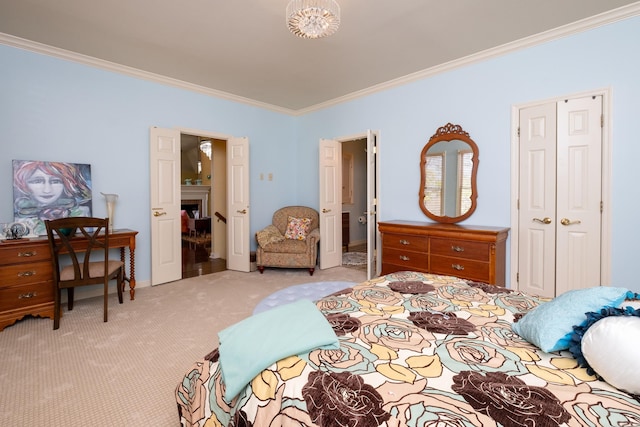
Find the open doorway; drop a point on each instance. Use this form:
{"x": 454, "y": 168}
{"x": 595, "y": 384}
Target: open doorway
{"x": 203, "y": 203}
{"x": 330, "y": 167}
{"x": 232, "y": 214}
{"x": 354, "y": 203}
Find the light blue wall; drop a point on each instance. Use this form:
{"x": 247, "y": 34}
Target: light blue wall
{"x": 57, "y": 110}
{"x": 51, "y": 109}
{"x": 480, "y": 98}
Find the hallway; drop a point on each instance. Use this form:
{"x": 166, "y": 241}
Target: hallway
{"x": 196, "y": 261}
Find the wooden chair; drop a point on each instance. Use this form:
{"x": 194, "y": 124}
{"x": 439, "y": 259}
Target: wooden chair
{"x": 89, "y": 256}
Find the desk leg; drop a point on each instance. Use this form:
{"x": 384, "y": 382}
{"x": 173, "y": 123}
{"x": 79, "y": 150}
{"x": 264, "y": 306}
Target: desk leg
{"x": 132, "y": 277}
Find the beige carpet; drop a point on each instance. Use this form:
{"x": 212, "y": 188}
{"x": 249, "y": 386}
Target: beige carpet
{"x": 124, "y": 372}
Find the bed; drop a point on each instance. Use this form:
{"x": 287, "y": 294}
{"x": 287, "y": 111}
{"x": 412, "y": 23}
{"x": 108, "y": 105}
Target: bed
{"x": 415, "y": 349}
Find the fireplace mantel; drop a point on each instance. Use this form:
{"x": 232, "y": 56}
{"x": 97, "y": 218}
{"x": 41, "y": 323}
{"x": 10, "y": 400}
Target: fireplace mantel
{"x": 197, "y": 192}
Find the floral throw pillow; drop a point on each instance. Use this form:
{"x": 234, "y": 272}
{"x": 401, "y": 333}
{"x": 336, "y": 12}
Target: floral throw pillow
{"x": 298, "y": 228}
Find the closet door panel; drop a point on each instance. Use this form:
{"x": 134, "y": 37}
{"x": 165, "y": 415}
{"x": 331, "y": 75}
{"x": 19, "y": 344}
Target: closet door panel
{"x": 579, "y": 193}
{"x": 536, "y": 245}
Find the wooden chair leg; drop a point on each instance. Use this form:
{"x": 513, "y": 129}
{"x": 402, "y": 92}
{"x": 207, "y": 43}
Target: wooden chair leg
{"x": 70, "y": 294}
{"x": 120, "y": 285}
{"x": 56, "y": 308}
{"x": 311, "y": 270}
{"x": 106, "y": 299}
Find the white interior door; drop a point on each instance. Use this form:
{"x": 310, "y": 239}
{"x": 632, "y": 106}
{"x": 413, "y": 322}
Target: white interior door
{"x": 166, "y": 255}
{"x": 373, "y": 265}
{"x": 330, "y": 167}
{"x": 537, "y": 242}
{"x": 579, "y": 187}
{"x": 238, "y": 221}
{"x": 560, "y": 196}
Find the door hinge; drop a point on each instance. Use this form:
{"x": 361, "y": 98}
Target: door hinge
{"x": 601, "y": 120}
{"x": 601, "y": 206}
{"x": 518, "y": 204}
{"x": 517, "y": 277}
{"x": 518, "y": 131}
{"x": 375, "y": 149}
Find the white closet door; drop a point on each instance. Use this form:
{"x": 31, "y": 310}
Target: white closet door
{"x": 560, "y": 180}
{"x": 579, "y": 193}
{"x": 537, "y": 192}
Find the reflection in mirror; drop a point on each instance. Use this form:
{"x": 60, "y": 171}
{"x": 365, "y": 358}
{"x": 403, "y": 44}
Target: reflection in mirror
{"x": 195, "y": 157}
{"x": 448, "y": 166}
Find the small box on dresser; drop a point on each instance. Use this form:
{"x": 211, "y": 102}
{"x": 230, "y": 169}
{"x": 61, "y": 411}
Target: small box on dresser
{"x": 470, "y": 252}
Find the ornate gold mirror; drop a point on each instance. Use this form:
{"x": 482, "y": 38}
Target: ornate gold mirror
{"x": 448, "y": 167}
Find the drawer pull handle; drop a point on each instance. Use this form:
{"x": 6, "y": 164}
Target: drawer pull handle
{"x": 28, "y": 295}
{"x": 404, "y": 242}
{"x": 28, "y": 254}
{"x": 457, "y": 248}
{"x": 457, "y": 267}
{"x": 26, "y": 273}
{"x": 404, "y": 258}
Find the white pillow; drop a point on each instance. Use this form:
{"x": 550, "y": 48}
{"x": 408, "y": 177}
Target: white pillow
{"x": 630, "y": 303}
{"x": 610, "y": 346}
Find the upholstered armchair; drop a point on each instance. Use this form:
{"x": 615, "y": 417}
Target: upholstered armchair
{"x": 290, "y": 241}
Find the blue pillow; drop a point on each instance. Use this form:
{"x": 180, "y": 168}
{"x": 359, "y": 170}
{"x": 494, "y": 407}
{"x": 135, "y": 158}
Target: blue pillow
{"x": 550, "y": 325}
{"x": 252, "y": 345}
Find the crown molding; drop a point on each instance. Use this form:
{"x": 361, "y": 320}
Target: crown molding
{"x": 586, "y": 24}
{"x": 68, "y": 55}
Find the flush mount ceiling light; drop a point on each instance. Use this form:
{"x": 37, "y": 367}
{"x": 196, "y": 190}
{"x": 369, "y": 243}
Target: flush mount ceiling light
{"x": 312, "y": 19}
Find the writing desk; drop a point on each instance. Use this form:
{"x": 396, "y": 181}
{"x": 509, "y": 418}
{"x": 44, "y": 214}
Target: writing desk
{"x": 26, "y": 274}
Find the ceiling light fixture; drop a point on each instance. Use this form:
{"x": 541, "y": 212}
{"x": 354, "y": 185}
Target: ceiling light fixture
{"x": 205, "y": 146}
{"x": 312, "y": 19}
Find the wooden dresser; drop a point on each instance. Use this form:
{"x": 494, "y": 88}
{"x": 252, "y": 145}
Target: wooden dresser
{"x": 26, "y": 275}
{"x": 26, "y": 281}
{"x": 469, "y": 252}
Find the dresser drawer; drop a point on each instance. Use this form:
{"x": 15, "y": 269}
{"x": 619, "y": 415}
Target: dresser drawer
{"x": 17, "y": 297}
{"x": 13, "y": 253}
{"x": 21, "y": 274}
{"x": 478, "y": 251}
{"x": 474, "y": 270}
{"x": 405, "y": 242}
{"x": 406, "y": 259}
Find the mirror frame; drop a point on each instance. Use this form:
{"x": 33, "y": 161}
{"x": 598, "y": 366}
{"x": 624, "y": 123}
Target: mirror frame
{"x": 449, "y": 132}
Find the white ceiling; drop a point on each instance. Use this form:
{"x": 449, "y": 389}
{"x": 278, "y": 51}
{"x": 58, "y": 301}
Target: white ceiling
{"x": 243, "y": 48}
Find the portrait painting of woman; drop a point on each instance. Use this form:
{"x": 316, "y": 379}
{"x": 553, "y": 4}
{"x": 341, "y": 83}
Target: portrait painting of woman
{"x": 50, "y": 190}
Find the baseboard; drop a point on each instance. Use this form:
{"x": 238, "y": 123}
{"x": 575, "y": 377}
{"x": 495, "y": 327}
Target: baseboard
{"x": 357, "y": 243}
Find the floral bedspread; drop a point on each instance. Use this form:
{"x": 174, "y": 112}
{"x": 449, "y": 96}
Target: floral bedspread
{"x": 416, "y": 350}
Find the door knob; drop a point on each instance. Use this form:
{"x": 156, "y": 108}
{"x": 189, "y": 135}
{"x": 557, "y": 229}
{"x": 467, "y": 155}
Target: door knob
{"x": 567, "y": 221}
{"x": 546, "y": 220}
{"x": 243, "y": 211}
{"x": 156, "y": 213}
{"x": 326, "y": 210}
